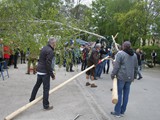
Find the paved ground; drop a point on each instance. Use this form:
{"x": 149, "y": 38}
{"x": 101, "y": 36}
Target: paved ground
{"x": 75, "y": 98}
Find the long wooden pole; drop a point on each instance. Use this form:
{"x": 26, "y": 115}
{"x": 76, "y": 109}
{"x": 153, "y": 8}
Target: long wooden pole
{"x": 114, "y": 90}
{"x": 25, "y": 107}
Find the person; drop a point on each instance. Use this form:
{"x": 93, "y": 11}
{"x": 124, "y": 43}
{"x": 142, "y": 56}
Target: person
{"x": 154, "y": 55}
{"x": 125, "y": 70}
{"x": 1, "y": 50}
{"x": 99, "y": 67}
{"x": 139, "y": 64}
{"x": 108, "y": 54}
{"x": 22, "y": 56}
{"x": 32, "y": 59}
{"x": 142, "y": 53}
{"x": 93, "y": 60}
{"x": 6, "y": 55}
{"x": 15, "y": 57}
{"x": 69, "y": 59}
{"x": 85, "y": 52}
{"x": 44, "y": 72}
{"x": 108, "y": 61}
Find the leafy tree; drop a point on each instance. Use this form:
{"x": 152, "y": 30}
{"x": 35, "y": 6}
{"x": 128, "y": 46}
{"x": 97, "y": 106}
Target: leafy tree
{"x": 103, "y": 16}
{"x": 28, "y": 24}
{"x": 133, "y": 19}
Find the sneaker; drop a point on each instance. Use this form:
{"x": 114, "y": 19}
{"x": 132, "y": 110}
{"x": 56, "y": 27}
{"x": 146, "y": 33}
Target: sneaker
{"x": 49, "y": 108}
{"x": 116, "y": 115}
{"x": 93, "y": 85}
{"x": 139, "y": 78}
{"x": 87, "y": 84}
{"x": 122, "y": 115}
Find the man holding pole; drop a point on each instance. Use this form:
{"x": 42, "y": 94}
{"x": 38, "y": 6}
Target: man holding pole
{"x": 125, "y": 70}
{"x": 93, "y": 60}
{"x": 44, "y": 72}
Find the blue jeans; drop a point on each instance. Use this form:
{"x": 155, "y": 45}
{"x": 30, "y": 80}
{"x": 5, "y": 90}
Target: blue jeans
{"x": 123, "y": 95}
{"x": 99, "y": 69}
{"x": 45, "y": 79}
{"x": 139, "y": 72}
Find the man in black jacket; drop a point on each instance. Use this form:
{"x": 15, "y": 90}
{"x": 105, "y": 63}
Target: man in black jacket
{"x": 44, "y": 71}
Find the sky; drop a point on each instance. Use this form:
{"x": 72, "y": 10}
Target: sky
{"x": 86, "y": 2}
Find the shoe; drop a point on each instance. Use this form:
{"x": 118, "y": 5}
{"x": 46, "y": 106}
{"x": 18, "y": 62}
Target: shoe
{"x": 95, "y": 78}
{"x": 15, "y": 67}
{"x": 49, "y": 108}
{"x": 139, "y": 78}
{"x": 122, "y": 115}
{"x": 5, "y": 68}
{"x": 71, "y": 70}
{"x": 116, "y": 115}
{"x": 27, "y": 73}
{"x": 87, "y": 84}
{"x": 93, "y": 85}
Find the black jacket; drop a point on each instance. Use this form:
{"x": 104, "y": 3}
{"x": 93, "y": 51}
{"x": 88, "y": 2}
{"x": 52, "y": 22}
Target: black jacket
{"x": 45, "y": 60}
{"x": 138, "y": 58}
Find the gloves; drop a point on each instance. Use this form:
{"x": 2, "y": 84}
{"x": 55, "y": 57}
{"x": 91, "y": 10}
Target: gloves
{"x": 112, "y": 76}
{"x": 99, "y": 61}
{"x": 53, "y": 77}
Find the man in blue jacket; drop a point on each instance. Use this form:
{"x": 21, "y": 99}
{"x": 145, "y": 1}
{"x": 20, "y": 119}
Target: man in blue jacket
{"x": 125, "y": 69}
{"x": 44, "y": 72}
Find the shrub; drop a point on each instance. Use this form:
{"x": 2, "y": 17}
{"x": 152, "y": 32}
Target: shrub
{"x": 148, "y": 50}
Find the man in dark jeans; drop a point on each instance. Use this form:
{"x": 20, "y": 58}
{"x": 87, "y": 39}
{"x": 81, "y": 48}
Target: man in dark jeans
{"x": 15, "y": 58}
{"x": 44, "y": 71}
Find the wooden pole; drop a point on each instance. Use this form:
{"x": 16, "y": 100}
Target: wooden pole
{"x": 113, "y": 38}
{"x": 114, "y": 92}
{"x": 25, "y": 107}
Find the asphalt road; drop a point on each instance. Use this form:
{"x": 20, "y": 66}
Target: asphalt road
{"x": 75, "y": 100}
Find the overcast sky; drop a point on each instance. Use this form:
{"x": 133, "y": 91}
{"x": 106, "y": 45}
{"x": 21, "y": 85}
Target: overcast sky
{"x": 86, "y": 2}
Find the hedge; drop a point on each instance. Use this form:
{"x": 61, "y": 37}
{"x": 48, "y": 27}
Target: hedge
{"x": 148, "y": 50}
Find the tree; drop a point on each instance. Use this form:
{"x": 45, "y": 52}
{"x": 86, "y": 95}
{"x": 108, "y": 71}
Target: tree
{"x": 103, "y": 16}
{"x": 133, "y": 19}
{"x": 26, "y": 23}
{"x": 138, "y": 21}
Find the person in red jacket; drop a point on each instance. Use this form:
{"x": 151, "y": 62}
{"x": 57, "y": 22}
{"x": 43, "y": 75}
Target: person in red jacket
{"x": 6, "y": 50}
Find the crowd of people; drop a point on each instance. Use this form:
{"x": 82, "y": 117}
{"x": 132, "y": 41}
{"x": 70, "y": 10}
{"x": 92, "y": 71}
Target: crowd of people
{"x": 9, "y": 56}
{"x": 127, "y": 67}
